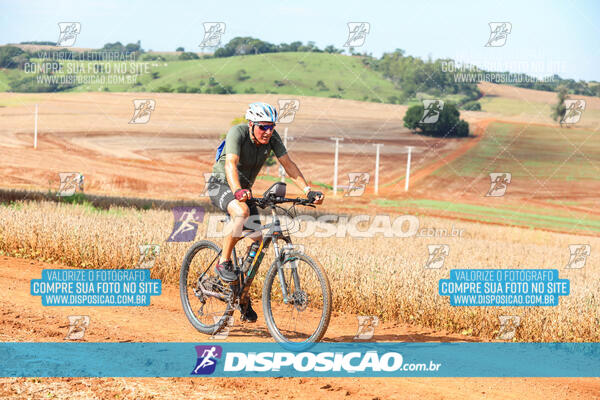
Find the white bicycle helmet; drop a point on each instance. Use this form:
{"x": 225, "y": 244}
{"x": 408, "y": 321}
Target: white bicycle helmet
{"x": 259, "y": 112}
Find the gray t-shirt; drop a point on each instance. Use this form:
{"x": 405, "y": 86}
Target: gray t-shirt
{"x": 252, "y": 157}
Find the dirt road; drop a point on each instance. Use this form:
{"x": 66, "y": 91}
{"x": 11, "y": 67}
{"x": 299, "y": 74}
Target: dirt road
{"x": 25, "y": 319}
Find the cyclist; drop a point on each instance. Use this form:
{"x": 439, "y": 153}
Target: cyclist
{"x": 247, "y": 147}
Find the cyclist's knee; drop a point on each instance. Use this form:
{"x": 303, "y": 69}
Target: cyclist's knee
{"x": 238, "y": 209}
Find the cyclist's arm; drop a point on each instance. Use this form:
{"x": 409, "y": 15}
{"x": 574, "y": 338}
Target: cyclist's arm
{"x": 293, "y": 171}
{"x": 233, "y": 146}
{"x": 231, "y": 172}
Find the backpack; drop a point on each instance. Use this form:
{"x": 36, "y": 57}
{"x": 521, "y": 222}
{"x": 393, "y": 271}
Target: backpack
{"x": 219, "y": 151}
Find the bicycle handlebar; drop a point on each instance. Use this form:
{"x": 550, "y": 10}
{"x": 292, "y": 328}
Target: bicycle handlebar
{"x": 272, "y": 200}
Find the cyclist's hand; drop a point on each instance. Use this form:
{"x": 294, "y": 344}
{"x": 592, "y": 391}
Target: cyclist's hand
{"x": 243, "y": 194}
{"x": 315, "y": 197}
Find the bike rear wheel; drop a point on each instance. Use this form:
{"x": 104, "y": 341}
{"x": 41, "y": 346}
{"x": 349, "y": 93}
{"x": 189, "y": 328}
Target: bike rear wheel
{"x": 304, "y": 317}
{"x": 205, "y": 299}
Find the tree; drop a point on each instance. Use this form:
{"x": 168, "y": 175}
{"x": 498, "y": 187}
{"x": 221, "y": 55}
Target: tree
{"x": 188, "y": 56}
{"x": 331, "y": 49}
{"x": 239, "y": 46}
{"x": 6, "y": 56}
{"x": 448, "y": 124}
{"x": 472, "y": 106}
{"x": 321, "y": 86}
{"x": 560, "y": 109}
{"x": 134, "y": 47}
{"x": 180, "y": 49}
{"x": 241, "y": 75}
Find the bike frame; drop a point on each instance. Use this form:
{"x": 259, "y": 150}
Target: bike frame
{"x": 242, "y": 286}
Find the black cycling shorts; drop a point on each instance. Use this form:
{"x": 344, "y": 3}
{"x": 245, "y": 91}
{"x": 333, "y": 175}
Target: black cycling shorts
{"x": 221, "y": 195}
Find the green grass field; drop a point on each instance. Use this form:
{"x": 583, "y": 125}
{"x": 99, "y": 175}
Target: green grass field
{"x": 285, "y": 73}
{"x": 529, "y": 216}
{"x": 534, "y": 155}
{"x": 531, "y": 151}
{"x": 511, "y": 107}
{"x": 296, "y": 74}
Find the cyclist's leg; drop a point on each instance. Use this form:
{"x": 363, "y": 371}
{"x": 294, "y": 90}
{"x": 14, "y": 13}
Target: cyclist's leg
{"x": 253, "y": 224}
{"x": 238, "y": 212}
{"x": 222, "y": 197}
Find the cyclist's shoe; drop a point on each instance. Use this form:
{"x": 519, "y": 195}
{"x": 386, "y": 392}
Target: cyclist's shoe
{"x": 248, "y": 314}
{"x": 226, "y": 272}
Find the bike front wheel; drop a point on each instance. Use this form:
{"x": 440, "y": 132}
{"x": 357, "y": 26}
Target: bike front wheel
{"x": 302, "y": 316}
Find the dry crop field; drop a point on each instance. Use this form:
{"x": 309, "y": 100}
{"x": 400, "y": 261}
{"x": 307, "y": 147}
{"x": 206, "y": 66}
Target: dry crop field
{"x": 90, "y": 133}
{"x": 383, "y": 276}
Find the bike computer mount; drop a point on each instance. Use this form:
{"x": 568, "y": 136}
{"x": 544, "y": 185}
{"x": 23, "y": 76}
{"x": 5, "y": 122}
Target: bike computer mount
{"x": 276, "y": 190}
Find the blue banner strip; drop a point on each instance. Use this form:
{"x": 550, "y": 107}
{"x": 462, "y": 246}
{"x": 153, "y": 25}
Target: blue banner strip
{"x": 322, "y": 359}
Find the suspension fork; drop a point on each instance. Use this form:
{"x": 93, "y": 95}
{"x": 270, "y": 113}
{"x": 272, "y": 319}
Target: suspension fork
{"x": 279, "y": 257}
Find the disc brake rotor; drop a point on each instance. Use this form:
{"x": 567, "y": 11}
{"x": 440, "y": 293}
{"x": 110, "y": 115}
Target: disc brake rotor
{"x": 300, "y": 300}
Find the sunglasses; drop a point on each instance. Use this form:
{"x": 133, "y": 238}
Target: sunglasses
{"x": 265, "y": 127}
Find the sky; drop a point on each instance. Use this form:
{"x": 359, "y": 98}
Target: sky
{"x": 545, "y": 38}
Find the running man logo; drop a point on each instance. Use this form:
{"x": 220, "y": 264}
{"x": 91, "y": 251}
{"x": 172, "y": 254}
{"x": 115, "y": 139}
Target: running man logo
{"x": 498, "y": 33}
{"x": 224, "y": 331}
{"x": 366, "y": 327}
{"x": 499, "y": 184}
{"x": 573, "y": 111}
{"x": 209, "y": 188}
{"x": 148, "y": 254}
{"x": 208, "y": 357}
{"x": 142, "y": 110}
{"x": 287, "y": 110}
{"x": 431, "y": 111}
{"x": 186, "y": 223}
{"x": 508, "y": 326}
{"x": 357, "y": 183}
{"x": 68, "y": 33}
{"x": 579, "y": 255}
{"x": 437, "y": 255}
{"x": 77, "y": 326}
{"x": 212, "y": 34}
{"x": 357, "y": 33}
{"x": 290, "y": 247}
{"x": 69, "y": 183}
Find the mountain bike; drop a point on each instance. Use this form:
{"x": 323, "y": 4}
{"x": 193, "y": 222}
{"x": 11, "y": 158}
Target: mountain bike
{"x": 296, "y": 295}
